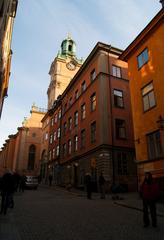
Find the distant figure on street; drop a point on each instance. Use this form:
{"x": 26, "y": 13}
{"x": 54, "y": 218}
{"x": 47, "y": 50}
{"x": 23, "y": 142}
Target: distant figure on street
{"x": 7, "y": 191}
{"x": 88, "y": 185}
{"x": 50, "y": 180}
{"x": 17, "y": 178}
{"x": 102, "y": 186}
{"x": 150, "y": 194}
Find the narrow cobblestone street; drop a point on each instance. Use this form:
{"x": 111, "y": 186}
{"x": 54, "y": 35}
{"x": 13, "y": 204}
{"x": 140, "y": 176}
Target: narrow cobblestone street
{"x": 49, "y": 214}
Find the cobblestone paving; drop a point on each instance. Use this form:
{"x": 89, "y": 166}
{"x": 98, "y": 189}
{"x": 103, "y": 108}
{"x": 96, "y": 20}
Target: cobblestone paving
{"x": 48, "y": 214}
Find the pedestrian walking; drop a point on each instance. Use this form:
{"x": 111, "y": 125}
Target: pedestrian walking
{"x": 7, "y": 191}
{"x": 150, "y": 194}
{"x": 102, "y": 186}
{"x": 50, "y": 179}
{"x": 88, "y": 185}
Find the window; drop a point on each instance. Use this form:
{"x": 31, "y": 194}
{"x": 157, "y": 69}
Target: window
{"x": 65, "y": 128}
{"x": 116, "y": 71}
{"x": 93, "y": 102}
{"x": 75, "y": 143}
{"x": 57, "y": 150}
{"x": 70, "y": 48}
{"x": 154, "y": 145}
{"x": 76, "y": 119}
{"x": 46, "y": 136}
{"x": 51, "y": 138}
{"x": 58, "y": 132}
{"x": 69, "y": 146}
{"x": 59, "y": 114}
{"x": 120, "y": 128}
{"x": 70, "y": 101}
{"x": 65, "y": 107}
{"x": 93, "y": 132}
{"x": 83, "y": 111}
{"x": 53, "y": 153}
{"x": 122, "y": 163}
{"x": 83, "y": 138}
{"x": 118, "y": 98}
{"x": 93, "y": 75}
{"x": 142, "y": 58}
{"x": 148, "y": 97}
{"x": 31, "y": 157}
{"x": 64, "y": 149}
{"x": 52, "y": 121}
{"x": 56, "y": 118}
{"x": 55, "y": 136}
{"x": 76, "y": 94}
{"x": 70, "y": 123}
{"x": 83, "y": 87}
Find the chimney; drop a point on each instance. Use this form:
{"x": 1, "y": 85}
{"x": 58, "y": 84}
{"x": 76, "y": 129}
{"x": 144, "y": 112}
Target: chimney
{"x": 162, "y": 2}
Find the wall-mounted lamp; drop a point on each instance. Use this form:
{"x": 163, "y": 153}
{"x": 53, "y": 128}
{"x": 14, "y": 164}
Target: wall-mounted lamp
{"x": 160, "y": 123}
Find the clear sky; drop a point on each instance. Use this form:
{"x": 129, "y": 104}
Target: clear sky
{"x": 39, "y": 28}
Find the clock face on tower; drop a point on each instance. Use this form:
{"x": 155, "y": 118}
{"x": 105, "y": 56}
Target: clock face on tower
{"x": 71, "y": 66}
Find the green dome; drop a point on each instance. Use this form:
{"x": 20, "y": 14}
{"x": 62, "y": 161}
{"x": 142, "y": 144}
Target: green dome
{"x": 68, "y": 47}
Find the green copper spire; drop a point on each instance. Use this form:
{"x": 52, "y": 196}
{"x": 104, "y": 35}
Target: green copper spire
{"x": 68, "y": 47}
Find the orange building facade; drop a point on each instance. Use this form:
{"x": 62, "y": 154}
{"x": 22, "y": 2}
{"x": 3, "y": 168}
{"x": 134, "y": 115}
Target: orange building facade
{"x": 91, "y": 124}
{"x": 145, "y": 58}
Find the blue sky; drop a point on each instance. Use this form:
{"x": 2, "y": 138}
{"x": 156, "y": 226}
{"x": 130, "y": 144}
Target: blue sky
{"x": 39, "y": 28}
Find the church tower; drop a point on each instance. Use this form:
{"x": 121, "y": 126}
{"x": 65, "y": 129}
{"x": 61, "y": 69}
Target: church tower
{"x": 62, "y": 70}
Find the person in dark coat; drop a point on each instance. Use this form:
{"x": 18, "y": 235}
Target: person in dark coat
{"x": 150, "y": 194}
{"x": 22, "y": 183}
{"x": 7, "y": 191}
{"x": 102, "y": 186}
{"x": 88, "y": 185}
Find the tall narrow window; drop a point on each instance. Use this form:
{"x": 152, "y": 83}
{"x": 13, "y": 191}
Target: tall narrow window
{"x": 118, "y": 99}
{"x": 55, "y": 136}
{"x": 76, "y": 94}
{"x": 76, "y": 118}
{"x": 83, "y": 111}
{"x": 93, "y": 132}
{"x": 57, "y": 150}
{"x": 83, "y": 138}
{"x": 148, "y": 97}
{"x": 58, "y": 132}
{"x": 64, "y": 149}
{"x": 65, "y": 129}
{"x": 93, "y": 102}
{"x": 70, "y": 124}
{"x": 142, "y": 58}
{"x": 116, "y": 71}
{"x": 120, "y": 128}
{"x": 154, "y": 145}
{"x": 83, "y": 87}
{"x": 69, "y": 146}
{"x": 53, "y": 153}
{"x": 75, "y": 143}
{"x": 51, "y": 138}
{"x": 31, "y": 157}
{"x": 70, "y": 101}
{"x": 59, "y": 114}
{"x": 93, "y": 75}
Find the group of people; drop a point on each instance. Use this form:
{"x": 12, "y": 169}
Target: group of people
{"x": 10, "y": 183}
{"x": 149, "y": 192}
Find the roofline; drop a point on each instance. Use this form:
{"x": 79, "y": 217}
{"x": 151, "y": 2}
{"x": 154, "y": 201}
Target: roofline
{"x": 98, "y": 46}
{"x": 149, "y": 27}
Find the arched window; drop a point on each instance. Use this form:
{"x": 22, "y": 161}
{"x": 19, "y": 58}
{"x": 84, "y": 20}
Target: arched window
{"x": 31, "y": 157}
{"x": 69, "y": 47}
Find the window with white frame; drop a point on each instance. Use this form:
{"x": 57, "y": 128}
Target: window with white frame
{"x": 93, "y": 75}
{"x": 55, "y": 136}
{"x": 58, "y": 132}
{"x": 118, "y": 98}
{"x": 116, "y": 71}
{"x": 142, "y": 58}
{"x": 83, "y": 86}
{"x": 148, "y": 97}
{"x": 154, "y": 145}
{"x": 83, "y": 111}
{"x": 57, "y": 150}
{"x": 93, "y": 102}
{"x": 120, "y": 128}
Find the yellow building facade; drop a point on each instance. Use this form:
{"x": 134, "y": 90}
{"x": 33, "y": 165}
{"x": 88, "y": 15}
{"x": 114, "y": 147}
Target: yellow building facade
{"x": 145, "y": 57}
